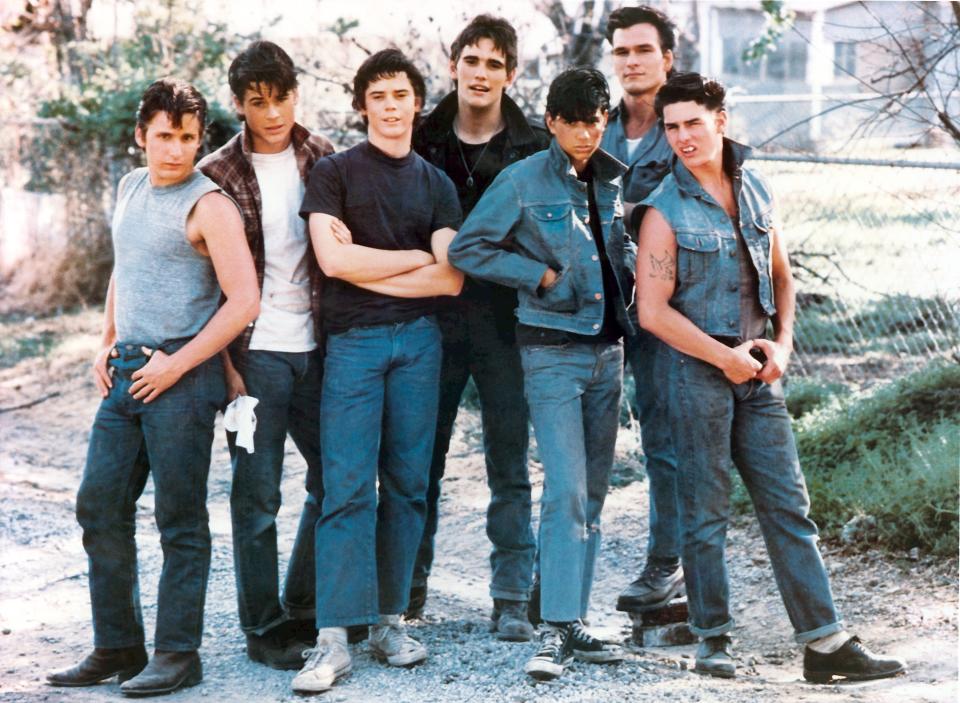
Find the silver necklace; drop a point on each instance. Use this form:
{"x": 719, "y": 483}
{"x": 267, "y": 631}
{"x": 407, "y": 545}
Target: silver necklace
{"x": 463, "y": 158}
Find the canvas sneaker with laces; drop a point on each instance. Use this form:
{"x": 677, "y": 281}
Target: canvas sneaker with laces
{"x": 328, "y": 661}
{"x": 390, "y": 642}
{"x": 592, "y": 649}
{"x": 554, "y": 655}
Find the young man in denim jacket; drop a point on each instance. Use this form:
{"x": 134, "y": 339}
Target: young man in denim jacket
{"x": 472, "y": 135}
{"x": 642, "y": 41}
{"x": 551, "y": 227}
{"x": 712, "y": 271}
{"x": 277, "y": 360}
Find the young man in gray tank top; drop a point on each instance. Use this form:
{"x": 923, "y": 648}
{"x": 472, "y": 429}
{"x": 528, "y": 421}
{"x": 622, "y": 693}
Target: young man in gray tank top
{"x": 277, "y": 360}
{"x": 178, "y": 244}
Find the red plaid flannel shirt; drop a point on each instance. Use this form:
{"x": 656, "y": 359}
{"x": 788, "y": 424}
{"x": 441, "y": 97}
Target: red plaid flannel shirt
{"x": 231, "y": 168}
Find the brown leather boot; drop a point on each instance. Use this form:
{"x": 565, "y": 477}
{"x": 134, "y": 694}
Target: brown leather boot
{"x": 100, "y": 665}
{"x": 165, "y": 673}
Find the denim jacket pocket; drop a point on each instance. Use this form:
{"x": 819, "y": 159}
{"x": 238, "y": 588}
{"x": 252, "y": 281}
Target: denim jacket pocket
{"x": 696, "y": 250}
{"x": 553, "y": 228}
{"x": 560, "y": 296}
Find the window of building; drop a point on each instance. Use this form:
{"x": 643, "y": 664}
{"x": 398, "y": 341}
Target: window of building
{"x": 844, "y": 59}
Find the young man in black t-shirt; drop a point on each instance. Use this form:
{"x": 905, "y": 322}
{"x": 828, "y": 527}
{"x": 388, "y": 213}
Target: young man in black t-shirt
{"x": 380, "y": 220}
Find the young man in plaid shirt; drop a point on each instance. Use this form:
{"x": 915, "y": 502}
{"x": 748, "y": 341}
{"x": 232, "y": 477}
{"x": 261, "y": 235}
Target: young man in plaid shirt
{"x": 278, "y": 358}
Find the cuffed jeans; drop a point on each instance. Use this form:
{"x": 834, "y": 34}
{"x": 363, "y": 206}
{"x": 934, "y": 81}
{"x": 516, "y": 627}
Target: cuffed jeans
{"x": 664, "y": 536}
{"x": 170, "y": 437}
{"x": 378, "y": 416}
{"x": 712, "y": 418}
{"x": 573, "y": 391}
{"x": 288, "y": 388}
{"x": 474, "y": 345}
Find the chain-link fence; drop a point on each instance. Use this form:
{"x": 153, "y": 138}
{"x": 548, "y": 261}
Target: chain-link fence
{"x": 875, "y": 247}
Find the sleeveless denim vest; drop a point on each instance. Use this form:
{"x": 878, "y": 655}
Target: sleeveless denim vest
{"x": 708, "y": 269}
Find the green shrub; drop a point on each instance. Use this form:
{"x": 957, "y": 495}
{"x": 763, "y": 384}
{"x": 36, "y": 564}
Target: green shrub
{"x": 893, "y": 454}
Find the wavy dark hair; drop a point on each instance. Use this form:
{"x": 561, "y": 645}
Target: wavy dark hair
{"x": 624, "y": 17}
{"x": 175, "y": 97}
{"x": 689, "y": 86}
{"x": 496, "y": 29}
{"x": 577, "y": 94}
{"x": 263, "y": 62}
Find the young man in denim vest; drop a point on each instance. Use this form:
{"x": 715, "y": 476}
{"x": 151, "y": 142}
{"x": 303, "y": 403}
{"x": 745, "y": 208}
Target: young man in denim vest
{"x": 381, "y": 219}
{"x": 473, "y": 134}
{"x": 712, "y": 270}
{"x": 643, "y": 41}
{"x": 551, "y": 226}
{"x": 276, "y": 360}
{"x": 178, "y": 245}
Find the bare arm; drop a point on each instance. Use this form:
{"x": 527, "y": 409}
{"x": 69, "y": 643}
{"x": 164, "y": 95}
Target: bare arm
{"x": 784, "y": 295}
{"x": 425, "y": 282}
{"x": 355, "y": 263}
{"x": 656, "y": 282}
{"x": 101, "y": 374}
{"x": 232, "y": 377}
{"x": 216, "y": 222}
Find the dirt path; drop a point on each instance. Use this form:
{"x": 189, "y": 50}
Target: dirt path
{"x": 901, "y": 607}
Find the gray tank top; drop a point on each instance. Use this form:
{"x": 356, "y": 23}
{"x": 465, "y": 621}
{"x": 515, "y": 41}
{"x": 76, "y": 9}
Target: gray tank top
{"x": 753, "y": 320}
{"x": 165, "y": 289}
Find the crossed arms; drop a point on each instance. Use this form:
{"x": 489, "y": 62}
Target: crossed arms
{"x": 406, "y": 273}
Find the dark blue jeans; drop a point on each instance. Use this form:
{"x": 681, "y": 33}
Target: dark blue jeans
{"x": 664, "y": 538}
{"x": 714, "y": 421}
{"x": 474, "y": 344}
{"x": 377, "y": 421}
{"x": 171, "y": 438}
{"x": 573, "y": 391}
{"x": 288, "y": 387}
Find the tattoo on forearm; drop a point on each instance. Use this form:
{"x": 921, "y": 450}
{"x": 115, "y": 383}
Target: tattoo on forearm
{"x": 665, "y": 269}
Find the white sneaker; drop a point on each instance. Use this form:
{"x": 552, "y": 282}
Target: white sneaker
{"x": 389, "y": 641}
{"x": 327, "y": 662}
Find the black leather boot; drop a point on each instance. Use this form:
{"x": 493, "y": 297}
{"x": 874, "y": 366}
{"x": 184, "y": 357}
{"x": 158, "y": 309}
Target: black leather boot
{"x": 852, "y": 661}
{"x": 100, "y": 665}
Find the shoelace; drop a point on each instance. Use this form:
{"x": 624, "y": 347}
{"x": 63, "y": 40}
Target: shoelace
{"x": 657, "y": 571}
{"x": 317, "y": 653}
{"x": 395, "y": 637}
{"x": 579, "y": 632}
{"x": 551, "y": 642}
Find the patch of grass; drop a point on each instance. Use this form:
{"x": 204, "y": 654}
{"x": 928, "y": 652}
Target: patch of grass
{"x": 16, "y": 348}
{"x": 808, "y": 393}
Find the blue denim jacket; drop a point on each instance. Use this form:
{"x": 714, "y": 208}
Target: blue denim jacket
{"x": 536, "y": 214}
{"x": 708, "y": 271}
{"x": 650, "y": 162}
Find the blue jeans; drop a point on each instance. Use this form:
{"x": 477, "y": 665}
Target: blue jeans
{"x": 714, "y": 421}
{"x": 377, "y": 421}
{"x": 474, "y": 344}
{"x": 573, "y": 391}
{"x": 664, "y": 537}
{"x": 171, "y": 438}
{"x": 288, "y": 387}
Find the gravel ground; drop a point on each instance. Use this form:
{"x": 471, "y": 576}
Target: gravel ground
{"x": 902, "y": 607}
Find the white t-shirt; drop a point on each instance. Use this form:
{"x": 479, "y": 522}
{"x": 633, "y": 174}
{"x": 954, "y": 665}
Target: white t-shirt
{"x": 632, "y": 146}
{"x": 286, "y": 322}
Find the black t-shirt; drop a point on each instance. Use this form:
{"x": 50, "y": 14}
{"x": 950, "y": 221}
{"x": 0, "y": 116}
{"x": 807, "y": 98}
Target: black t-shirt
{"x": 386, "y": 203}
{"x": 483, "y": 165}
{"x": 610, "y": 331}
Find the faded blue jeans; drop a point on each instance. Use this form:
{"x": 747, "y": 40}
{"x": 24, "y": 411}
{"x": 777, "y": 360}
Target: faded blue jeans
{"x": 476, "y": 344}
{"x": 288, "y": 388}
{"x": 714, "y": 421}
{"x": 664, "y": 537}
{"x": 171, "y": 438}
{"x": 573, "y": 391}
{"x": 377, "y": 421}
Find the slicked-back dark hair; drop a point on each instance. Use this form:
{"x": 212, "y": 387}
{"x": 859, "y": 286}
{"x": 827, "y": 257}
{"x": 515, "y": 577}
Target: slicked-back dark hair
{"x": 577, "y": 94}
{"x": 387, "y": 62}
{"x": 175, "y": 97}
{"x": 689, "y": 86}
{"x": 624, "y": 17}
{"x": 265, "y": 63}
{"x": 496, "y": 29}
